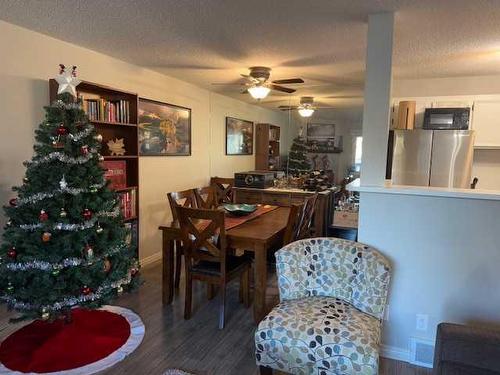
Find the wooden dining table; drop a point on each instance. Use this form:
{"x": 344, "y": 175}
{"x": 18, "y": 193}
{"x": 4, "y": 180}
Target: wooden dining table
{"x": 257, "y": 235}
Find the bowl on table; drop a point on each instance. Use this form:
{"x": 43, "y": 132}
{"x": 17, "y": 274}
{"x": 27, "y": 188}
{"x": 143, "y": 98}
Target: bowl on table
{"x": 239, "y": 209}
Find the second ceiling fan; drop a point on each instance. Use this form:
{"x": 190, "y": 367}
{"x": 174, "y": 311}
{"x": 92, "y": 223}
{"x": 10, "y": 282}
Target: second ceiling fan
{"x": 306, "y": 107}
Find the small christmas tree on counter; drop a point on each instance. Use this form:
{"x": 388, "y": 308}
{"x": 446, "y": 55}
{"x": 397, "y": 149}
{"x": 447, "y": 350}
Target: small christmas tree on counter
{"x": 298, "y": 163}
{"x": 64, "y": 244}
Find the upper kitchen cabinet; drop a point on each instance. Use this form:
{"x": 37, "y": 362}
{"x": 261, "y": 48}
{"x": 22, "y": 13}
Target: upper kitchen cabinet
{"x": 486, "y": 123}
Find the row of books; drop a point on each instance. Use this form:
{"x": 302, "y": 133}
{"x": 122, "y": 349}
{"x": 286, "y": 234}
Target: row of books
{"x": 128, "y": 203}
{"x": 98, "y": 109}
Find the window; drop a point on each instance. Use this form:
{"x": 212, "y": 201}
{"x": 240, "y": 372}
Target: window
{"x": 358, "y": 152}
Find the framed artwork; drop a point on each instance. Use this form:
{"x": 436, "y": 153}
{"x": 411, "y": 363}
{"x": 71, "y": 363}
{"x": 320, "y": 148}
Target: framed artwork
{"x": 239, "y": 136}
{"x": 164, "y": 129}
{"x": 320, "y": 131}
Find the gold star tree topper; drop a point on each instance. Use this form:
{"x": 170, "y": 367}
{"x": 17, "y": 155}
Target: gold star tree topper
{"x": 67, "y": 80}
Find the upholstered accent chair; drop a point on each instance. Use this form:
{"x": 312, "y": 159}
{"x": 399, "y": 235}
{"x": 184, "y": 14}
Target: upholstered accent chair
{"x": 333, "y": 294}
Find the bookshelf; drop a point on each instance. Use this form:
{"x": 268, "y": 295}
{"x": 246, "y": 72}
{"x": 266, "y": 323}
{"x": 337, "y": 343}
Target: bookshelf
{"x": 113, "y": 112}
{"x": 267, "y": 147}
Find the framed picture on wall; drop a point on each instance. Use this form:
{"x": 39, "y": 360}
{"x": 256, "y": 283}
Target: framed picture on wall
{"x": 239, "y": 136}
{"x": 320, "y": 131}
{"x": 164, "y": 129}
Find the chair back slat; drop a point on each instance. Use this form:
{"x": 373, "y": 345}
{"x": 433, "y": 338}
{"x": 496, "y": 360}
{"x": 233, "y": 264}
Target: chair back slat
{"x": 185, "y": 198}
{"x": 203, "y": 235}
{"x": 205, "y": 197}
{"x": 300, "y": 228}
{"x": 223, "y": 188}
{"x": 293, "y": 218}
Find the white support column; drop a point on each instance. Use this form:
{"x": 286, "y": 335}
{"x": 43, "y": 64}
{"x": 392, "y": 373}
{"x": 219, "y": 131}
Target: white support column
{"x": 378, "y": 84}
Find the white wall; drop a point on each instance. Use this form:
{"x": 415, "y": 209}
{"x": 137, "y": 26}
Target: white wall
{"x": 29, "y": 59}
{"x": 445, "y": 255}
{"x": 457, "y": 90}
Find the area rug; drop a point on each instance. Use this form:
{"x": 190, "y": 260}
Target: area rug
{"x": 93, "y": 341}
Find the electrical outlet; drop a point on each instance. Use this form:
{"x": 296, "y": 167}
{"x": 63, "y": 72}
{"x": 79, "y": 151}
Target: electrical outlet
{"x": 386, "y": 313}
{"x": 422, "y": 322}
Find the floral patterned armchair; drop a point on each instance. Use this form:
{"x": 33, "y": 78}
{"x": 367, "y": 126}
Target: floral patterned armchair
{"x": 333, "y": 294}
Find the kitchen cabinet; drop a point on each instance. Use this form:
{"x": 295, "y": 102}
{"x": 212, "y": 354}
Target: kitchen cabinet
{"x": 486, "y": 123}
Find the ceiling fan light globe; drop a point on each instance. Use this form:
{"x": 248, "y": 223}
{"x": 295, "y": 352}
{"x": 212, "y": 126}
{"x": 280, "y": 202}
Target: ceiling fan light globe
{"x": 306, "y": 112}
{"x": 259, "y": 92}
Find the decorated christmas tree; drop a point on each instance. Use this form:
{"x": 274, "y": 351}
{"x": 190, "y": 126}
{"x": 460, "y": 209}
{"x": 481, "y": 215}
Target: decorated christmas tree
{"x": 64, "y": 243}
{"x": 298, "y": 163}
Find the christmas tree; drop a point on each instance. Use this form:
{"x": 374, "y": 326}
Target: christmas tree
{"x": 64, "y": 244}
{"x": 298, "y": 163}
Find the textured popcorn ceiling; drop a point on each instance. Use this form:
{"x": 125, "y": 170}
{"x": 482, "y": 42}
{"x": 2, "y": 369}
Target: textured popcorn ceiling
{"x": 322, "y": 41}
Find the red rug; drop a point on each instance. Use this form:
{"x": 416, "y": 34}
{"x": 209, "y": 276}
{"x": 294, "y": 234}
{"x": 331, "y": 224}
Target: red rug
{"x": 42, "y": 347}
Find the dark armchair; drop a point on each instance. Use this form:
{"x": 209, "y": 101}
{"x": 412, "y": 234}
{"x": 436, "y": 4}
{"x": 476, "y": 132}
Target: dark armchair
{"x": 465, "y": 350}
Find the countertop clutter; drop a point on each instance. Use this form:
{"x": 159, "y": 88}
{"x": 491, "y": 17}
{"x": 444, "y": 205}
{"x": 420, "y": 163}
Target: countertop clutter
{"x": 389, "y": 188}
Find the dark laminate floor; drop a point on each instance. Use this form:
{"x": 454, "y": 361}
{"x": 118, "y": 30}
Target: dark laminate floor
{"x": 196, "y": 345}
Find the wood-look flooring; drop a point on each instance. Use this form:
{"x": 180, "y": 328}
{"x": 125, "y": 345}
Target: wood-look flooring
{"x": 195, "y": 345}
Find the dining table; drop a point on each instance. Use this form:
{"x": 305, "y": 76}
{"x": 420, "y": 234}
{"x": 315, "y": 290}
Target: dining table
{"x": 257, "y": 235}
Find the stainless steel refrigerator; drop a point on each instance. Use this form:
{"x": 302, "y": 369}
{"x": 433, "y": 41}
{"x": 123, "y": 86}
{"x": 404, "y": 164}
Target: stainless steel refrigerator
{"x": 441, "y": 158}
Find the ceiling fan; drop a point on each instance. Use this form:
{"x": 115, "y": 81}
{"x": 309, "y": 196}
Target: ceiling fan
{"x": 257, "y": 84}
{"x": 306, "y": 107}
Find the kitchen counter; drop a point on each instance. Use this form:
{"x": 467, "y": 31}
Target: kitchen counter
{"x": 389, "y": 188}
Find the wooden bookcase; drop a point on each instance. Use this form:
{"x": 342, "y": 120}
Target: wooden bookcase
{"x": 110, "y": 130}
{"x": 267, "y": 147}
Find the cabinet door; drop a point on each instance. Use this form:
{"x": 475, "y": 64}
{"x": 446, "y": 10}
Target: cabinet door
{"x": 486, "y": 123}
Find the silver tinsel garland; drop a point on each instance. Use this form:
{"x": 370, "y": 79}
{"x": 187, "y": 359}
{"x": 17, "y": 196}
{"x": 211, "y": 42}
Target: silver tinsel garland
{"x": 62, "y": 157}
{"x": 63, "y": 190}
{"x": 73, "y": 227}
{"x": 69, "y": 301}
{"x": 83, "y": 134}
{"x": 66, "y": 263}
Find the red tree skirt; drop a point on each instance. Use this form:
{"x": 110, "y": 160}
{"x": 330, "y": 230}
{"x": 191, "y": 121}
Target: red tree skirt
{"x": 93, "y": 341}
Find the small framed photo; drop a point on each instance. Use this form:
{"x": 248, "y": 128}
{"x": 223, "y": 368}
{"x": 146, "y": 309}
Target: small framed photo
{"x": 164, "y": 129}
{"x": 239, "y": 136}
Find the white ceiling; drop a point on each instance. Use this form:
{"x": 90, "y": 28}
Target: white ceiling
{"x": 321, "y": 41}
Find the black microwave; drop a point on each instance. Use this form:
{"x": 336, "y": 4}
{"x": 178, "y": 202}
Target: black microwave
{"x": 447, "y": 118}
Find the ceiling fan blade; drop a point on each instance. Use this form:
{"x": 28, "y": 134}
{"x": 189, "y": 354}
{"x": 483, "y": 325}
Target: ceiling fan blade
{"x": 287, "y": 107}
{"x": 288, "y": 81}
{"x": 281, "y": 88}
{"x": 227, "y": 84}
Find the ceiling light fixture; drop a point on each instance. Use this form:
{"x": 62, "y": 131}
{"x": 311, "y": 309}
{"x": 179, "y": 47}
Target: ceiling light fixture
{"x": 258, "y": 91}
{"x": 306, "y": 111}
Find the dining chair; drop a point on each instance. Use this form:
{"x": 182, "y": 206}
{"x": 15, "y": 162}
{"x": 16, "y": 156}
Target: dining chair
{"x": 205, "y": 197}
{"x": 223, "y": 188}
{"x": 299, "y": 225}
{"x": 185, "y": 198}
{"x": 206, "y": 256}
{"x": 293, "y": 218}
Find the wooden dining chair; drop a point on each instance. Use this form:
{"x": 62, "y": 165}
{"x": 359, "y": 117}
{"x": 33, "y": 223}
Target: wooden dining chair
{"x": 300, "y": 220}
{"x": 291, "y": 224}
{"x": 205, "y": 197}
{"x": 223, "y": 188}
{"x": 206, "y": 256}
{"x": 185, "y": 198}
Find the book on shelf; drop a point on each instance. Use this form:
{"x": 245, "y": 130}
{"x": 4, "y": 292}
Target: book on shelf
{"x": 128, "y": 203}
{"x": 99, "y": 109}
{"x": 131, "y": 233}
{"x": 115, "y": 171}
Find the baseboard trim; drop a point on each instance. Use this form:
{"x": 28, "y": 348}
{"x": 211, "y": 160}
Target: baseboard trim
{"x": 151, "y": 259}
{"x": 395, "y": 353}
